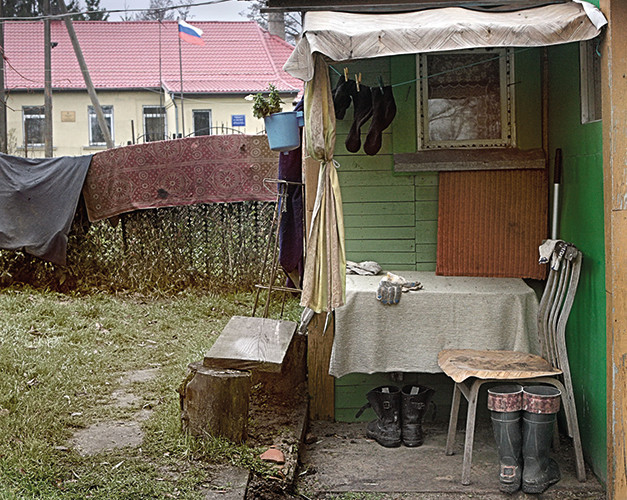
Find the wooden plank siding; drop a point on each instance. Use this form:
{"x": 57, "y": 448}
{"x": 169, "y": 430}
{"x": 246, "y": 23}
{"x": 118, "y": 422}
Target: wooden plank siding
{"x": 389, "y": 218}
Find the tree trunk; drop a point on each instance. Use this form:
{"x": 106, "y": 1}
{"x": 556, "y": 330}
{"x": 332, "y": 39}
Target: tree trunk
{"x": 215, "y": 402}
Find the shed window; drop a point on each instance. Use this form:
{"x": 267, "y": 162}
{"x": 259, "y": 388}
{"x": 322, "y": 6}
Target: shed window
{"x": 590, "y": 72}
{"x": 465, "y": 99}
{"x": 155, "y": 126}
{"x": 96, "y": 137}
{"x": 34, "y": 125}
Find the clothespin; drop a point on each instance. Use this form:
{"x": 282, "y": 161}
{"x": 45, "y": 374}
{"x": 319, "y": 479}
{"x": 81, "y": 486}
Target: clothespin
{"x": 345, "y": 73}
{"x": 358, "y": 81}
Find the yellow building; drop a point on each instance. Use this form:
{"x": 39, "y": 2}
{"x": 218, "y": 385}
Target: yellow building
{"x": 137, "y": 69}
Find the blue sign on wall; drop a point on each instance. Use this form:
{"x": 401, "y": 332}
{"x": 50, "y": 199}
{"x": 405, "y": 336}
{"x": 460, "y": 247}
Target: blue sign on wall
{"x": 238, "y": 120}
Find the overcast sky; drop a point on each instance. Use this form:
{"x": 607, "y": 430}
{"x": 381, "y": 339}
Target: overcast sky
{"x": 217, "y": 11}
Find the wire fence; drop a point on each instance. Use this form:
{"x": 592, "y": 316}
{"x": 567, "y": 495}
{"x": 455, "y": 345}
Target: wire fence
{"x": 217, "y": 246}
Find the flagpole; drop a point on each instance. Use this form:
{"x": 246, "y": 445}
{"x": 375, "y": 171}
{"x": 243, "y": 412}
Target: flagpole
{"x": 181, "y": 75}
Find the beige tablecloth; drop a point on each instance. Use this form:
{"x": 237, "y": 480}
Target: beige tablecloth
{"x": 449, "y": 313}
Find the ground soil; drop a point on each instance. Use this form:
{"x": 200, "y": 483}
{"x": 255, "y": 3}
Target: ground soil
{"x": 276, "y": 419}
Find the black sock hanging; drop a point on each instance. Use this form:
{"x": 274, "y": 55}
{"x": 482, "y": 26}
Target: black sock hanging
{"x": 342, "y": 96}
{"x": 362, "y": 101}
{"x": 383, "y": 112}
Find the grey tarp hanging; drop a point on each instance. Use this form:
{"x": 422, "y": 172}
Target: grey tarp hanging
{"x": 38, "y": 199}
{"x": 343, "y": 36}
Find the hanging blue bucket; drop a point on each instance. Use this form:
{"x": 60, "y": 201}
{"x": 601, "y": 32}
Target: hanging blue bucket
{"x": 283, "y": 130}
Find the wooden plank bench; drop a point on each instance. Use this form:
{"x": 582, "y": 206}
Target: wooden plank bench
{"x": 215, "y": 394}
{"x": 251, "y": 344}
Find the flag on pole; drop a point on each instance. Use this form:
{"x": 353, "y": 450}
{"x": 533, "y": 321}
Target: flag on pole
{"x": 190, "y": 34}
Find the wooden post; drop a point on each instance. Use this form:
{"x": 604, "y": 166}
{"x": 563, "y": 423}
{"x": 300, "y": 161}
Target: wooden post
{"x": 614, "y": 81}
{"x": 319, "y": 343}
{"x": 88, "y": 83}
{"x": 215, "y": 402}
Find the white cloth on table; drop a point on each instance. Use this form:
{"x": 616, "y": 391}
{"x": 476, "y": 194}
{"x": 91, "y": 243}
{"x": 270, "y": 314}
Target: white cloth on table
{"x": 450, "y": 312}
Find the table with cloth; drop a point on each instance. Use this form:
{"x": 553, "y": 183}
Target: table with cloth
{"x": 450, "y": 312}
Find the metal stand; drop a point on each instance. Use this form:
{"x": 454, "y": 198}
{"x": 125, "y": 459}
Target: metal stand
{"x": 273, "y": 242}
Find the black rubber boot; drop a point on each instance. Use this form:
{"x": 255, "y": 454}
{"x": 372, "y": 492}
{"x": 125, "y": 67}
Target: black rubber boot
{"x": 505, "y": 403}
{"x": 414, "y": 402}
{"x": 386, "y": 403}
{"x": 540, "y": 406}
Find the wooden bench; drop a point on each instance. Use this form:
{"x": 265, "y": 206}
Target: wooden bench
{"x": 216, "y": 392}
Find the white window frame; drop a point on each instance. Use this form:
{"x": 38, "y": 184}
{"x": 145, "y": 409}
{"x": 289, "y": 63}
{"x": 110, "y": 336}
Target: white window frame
{"x": 508, "y": 128}
{"x": 40, "y": 116}
{"x": 163, "y": 114}
{"x": 210, "y": 119}
{"x": 92, "y": 121}
{"x": 590, "y": 80}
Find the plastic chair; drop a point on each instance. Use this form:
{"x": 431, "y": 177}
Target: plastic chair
{"x": 470, "y": 369}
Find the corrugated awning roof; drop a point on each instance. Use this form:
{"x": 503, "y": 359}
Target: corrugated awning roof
{"x": 342, "y": 36}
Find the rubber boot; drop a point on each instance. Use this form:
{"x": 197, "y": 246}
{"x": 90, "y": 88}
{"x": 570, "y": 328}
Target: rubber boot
{"x": 505, "y": 404}
{"x": 540, "y": 406}
{"x": 414, "y": 402}
{"x": 386, "y": 403}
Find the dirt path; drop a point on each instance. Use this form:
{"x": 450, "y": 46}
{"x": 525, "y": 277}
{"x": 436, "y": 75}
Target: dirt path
{"x": 105, "y": 436}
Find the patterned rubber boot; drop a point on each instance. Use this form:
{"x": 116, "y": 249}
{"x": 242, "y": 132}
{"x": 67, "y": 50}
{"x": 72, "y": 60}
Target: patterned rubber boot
{"x": 540, "y": 406}
{"x": 505, "y": 403}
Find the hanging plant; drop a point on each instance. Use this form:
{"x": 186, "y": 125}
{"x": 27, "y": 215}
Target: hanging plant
{"x": 265, "y": 106}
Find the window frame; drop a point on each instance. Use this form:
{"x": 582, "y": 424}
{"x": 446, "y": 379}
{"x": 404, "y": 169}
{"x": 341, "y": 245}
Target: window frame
{"x": 590, "y": 82}
{"x": 39, "y": 116}
{"x": 208, "y": 111}
{"x": 507, "y": 96}
{"x": 92, "y": 120}
{"x": 163, "y": 113}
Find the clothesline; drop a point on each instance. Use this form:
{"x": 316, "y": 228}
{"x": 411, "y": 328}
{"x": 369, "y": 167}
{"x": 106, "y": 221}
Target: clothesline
{"x": 458, "y": 68}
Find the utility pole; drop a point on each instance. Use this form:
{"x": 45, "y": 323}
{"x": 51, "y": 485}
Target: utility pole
{"x": 90, "y": 87}
{"x": 3, "y": 95}
{"x": 48, "y": 82}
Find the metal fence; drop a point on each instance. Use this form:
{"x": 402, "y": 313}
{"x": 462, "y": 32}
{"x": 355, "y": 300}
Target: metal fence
{"x": 217, "y": 246}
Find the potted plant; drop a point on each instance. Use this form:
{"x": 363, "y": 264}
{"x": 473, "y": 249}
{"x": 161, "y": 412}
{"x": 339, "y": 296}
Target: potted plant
{"x": 282, "y": 127}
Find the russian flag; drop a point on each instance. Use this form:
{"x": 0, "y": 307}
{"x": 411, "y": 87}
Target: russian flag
{"x": 190, "y": 34}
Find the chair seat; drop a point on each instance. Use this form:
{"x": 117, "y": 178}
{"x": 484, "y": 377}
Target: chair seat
{"x": 460, "y": 364}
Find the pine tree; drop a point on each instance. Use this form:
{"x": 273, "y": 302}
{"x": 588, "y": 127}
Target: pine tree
{"x": 95, "y": 13}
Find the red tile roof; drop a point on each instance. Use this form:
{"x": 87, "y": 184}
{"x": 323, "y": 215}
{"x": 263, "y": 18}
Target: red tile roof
{"x": 238, "y": 57}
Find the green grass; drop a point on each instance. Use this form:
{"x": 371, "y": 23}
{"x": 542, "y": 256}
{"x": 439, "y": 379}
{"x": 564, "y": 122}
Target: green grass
{"x": 61, "y": 357}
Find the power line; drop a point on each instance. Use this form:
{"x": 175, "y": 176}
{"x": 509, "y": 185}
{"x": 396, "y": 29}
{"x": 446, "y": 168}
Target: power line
{"x": 114, "y": 11}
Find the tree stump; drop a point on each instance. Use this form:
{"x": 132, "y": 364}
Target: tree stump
{"x": 215, "y": 402}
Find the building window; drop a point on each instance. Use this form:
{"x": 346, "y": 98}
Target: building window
{"x": 155, "y": 128}
{"x": 96, "y": 137}
{"x": 465, "y": 99}
{"x": 34, "y": 125}
{"x": 590, "y": 75}
{"x": 202, "y": 122}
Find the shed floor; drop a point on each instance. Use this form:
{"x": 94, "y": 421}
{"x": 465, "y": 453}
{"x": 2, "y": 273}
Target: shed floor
{"x": 343, "y": 463}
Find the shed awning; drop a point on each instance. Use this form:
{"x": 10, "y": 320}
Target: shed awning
{"x": 343, "y": 36}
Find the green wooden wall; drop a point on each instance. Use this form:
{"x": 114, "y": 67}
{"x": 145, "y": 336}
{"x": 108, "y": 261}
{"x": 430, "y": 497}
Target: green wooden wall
{"x": 582, "y": 222}
{"x": 392, "y": 218}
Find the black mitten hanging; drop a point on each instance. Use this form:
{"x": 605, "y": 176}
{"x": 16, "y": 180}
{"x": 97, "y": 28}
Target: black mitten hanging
{"x": 362, "y": 101}
{"x": 383, "y": 112}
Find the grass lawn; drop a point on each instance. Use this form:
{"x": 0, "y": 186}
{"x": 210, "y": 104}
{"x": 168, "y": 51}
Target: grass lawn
{"x": 62, "y": 357}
